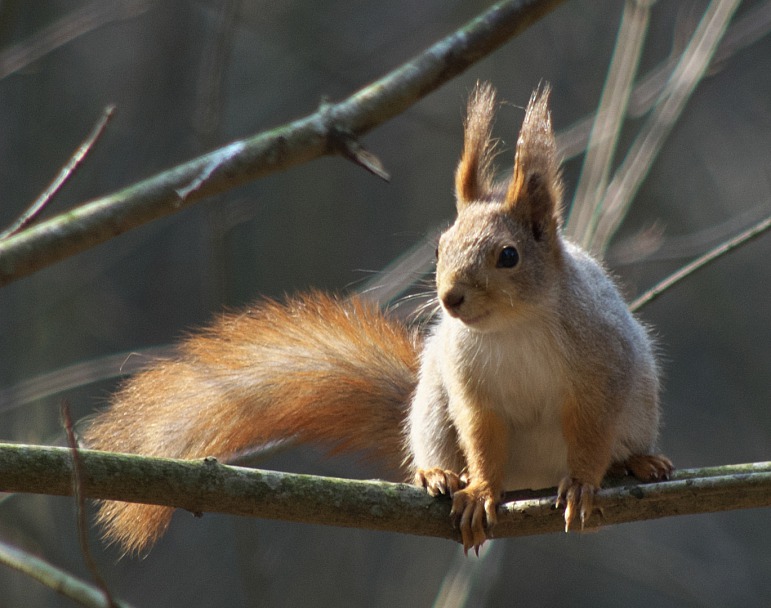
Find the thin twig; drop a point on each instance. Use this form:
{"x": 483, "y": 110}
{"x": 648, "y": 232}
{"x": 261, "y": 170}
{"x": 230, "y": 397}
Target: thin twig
{"x": 68, "y": 28}
{"x": 275, "y": 150}
{"x": 215, "y": 60}
{"x": 80, "y": 506}
{"x": 461, "y": 583}
{"x": 351, "y": 148}
{"x": 609, "y": 119}
{"x": 65, "y": 174}
{"x": 79, "y": 374}
{"x": 55, "y": 578}
{"x": 211, "y": 97}
{"x": 651, "y": 244}
{"x": 740, "y": 239}
{"x": 572, "y": 141}
{"x": 638, "y": 161}
{"x": 743, "y": 32}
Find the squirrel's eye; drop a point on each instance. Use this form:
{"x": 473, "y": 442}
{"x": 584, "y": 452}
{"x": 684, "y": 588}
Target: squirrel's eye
{"x": 508, "y": 258}
{"x": 436, "y": 253}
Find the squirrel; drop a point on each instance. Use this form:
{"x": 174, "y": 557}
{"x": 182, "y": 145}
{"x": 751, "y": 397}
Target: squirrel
{"x": 534, "y": 374}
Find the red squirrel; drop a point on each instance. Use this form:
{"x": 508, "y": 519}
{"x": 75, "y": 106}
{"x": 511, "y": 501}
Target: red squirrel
{"x": 534, "y": 373}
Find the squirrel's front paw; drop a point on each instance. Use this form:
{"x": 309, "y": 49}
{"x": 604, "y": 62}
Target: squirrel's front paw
{"x": 473, "y": 510}
{"x": 439, "y": 481}
{"x": 577, "y": 498}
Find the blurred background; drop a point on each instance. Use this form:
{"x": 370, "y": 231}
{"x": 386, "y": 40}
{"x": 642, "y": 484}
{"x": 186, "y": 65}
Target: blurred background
{"x": 189, "y": 75}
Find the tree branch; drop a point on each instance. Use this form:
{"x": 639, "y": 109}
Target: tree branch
{"x": 66, "y": 173}
{"x": 275, "y": 150}
{"x": 703, "y": 260}
{"x": 55, "y": 578}
{"x": 207, "y": 486}
{"x": 80, "y": 507}
{"x": 73, "y": 25}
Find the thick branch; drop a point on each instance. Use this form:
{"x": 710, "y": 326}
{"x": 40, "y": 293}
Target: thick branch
{"x": 207, "y": 486}
{"x": 324, "y": 132}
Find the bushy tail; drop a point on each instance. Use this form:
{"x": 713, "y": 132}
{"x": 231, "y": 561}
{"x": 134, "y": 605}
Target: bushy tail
{"x": 314, "y": 369}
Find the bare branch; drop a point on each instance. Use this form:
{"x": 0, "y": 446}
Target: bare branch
{"x": 609, "y": 118}
{"x": 744, "y": 31}
{"x": 57, "y": 579}
{"x": 79, "y": 374}
{"x": 65, "y": 174}
{"x": 215, "y": 57}
{"x": 73, "y": 25}
{"x": 740, "y": 239}
{"x": 207, "y": 486}
{"x": 278, "y": 149}
{"x": 80, "y": 507}
{"x": 618, "y": 197}
{"x": 350, "y": 148}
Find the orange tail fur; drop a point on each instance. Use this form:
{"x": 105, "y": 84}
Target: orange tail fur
{"x": 315, "y": 369}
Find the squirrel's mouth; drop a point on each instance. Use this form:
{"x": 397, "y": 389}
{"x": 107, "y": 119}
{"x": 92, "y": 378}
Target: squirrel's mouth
{"x": 472, "y": 321}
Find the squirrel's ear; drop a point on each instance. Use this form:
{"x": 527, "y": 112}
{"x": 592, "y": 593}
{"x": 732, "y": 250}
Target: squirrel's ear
{"x": 473, "y": 177}
{"x": 535, "y": 189}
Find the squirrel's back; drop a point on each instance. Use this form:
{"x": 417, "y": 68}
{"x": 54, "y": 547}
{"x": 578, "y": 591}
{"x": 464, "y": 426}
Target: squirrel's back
{"x": 623, "y": 348}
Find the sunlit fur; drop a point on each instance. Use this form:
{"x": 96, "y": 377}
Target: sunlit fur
{"x": 276, "y": 370}
{"x": 545, "y": 349}
{"x": 532, "y": 375}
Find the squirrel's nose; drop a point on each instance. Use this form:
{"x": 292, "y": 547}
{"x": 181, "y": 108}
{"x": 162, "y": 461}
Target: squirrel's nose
{"x": 452, "y": 300}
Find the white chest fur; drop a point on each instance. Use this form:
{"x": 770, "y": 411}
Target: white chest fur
{"x": 518, "y": 373}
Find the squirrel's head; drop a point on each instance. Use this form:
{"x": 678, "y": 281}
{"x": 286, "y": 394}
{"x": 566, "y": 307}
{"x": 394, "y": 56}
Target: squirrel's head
{"x": 499, "y": 258}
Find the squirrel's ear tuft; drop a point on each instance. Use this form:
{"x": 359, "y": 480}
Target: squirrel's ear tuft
{"x": 536, "y": 186}
{"x": 474, "y": 175}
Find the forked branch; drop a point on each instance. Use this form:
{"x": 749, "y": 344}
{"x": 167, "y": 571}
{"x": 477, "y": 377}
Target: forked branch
{"x": 281, "y": 148}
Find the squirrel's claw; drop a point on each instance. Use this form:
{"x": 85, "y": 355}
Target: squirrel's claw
{"x": 649, "y": 467}
{"x": 473, "y": 507}
{"x": 577, "y": 498}
{"x": 473, "y": 510}
{"x": 440, "y": 481}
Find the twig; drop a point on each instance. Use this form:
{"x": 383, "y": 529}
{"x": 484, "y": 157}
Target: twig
{"x": 350, "y": 147}
{"x": 460, "y": 584}
{"x": 276, "y": 150}
{"x": 572, "y": 141}
{"x": 80, "y": 506}
{"x": 77, "y": 375}
{"x": 700, "y": 262}
{"x": 651, "y": 244}
{"x": 609, "y": 119}
{"x": 55, "y": 578}
{"x": 211, "y": 97}
{"x": 207, "y": 486}
{"x": 68, "y": 28}
{"x": 638, "y": 161}
{"x": 66, "y": 173}
{"x": 747, "y": 29}
{"x": 215, "y": 56}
